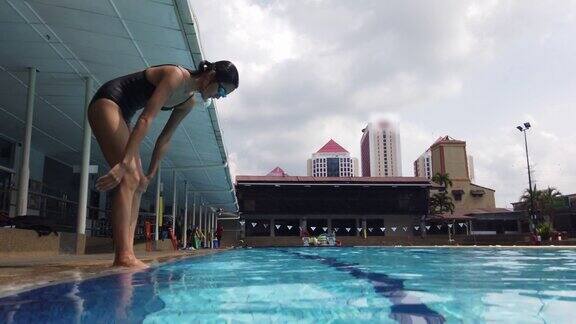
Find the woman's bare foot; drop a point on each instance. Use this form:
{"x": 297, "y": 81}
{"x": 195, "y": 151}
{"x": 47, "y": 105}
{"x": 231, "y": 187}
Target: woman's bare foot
{"x": 129, "y": 261}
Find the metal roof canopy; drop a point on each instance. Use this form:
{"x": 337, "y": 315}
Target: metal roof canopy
{"x": 67, "y": 40}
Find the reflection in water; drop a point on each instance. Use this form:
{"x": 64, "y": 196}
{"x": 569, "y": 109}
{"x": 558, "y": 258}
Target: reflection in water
{"x": 121, "y": 298}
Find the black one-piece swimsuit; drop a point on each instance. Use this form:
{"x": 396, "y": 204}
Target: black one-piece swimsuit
{"x": 130, "y": 92}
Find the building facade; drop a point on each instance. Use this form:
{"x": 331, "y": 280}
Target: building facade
{"x": 380, "y": 150}
{"x": 448, "y": 155}
{"x": 471, "y": 174}
{"x": 332, "y": 160}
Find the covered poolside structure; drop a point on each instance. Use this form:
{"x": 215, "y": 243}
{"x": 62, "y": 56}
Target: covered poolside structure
{"x": 360, "y": 210}
{"x": 53, "y": 57}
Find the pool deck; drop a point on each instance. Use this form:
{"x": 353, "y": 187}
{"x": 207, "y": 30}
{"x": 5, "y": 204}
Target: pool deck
{"x": 24, "y": 273}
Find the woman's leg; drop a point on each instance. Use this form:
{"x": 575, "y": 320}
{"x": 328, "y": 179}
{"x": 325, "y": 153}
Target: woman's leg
{"x": 112, "y": 134}
{"x": 135, "y": 209}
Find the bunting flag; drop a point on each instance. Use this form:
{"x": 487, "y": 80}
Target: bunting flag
{"x": 324, "y": 229}
{"x": 427, "y": 227}
{"x": 242, "y": 223}
{"x": 277, "y": 226}
{"x": 359, "y": 229}
{"x": 439, "y": 226}
{"x": 348, "y": 229}
{"x": 336, "y": 229}
{"x": 289, "y": 227}
{"x": 313, "y": 228}
{"x": 461, "y": 224}
{"x": 393, "y": 229}
{"x": 370, "y": 229}
{"x": 405, "y": 228}
{"x": 265, "y": 225}
{"x": 416, "y": 227}
{"x": 382, "y": 229}
{"x": 449, "y": 225}
{"x": 254, "y": 224}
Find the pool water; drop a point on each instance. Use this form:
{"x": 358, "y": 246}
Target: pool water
{"x": 317, "y": 285}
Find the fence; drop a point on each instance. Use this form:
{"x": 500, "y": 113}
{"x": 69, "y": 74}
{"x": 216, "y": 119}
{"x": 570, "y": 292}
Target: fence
{"x": 63, "y": 213}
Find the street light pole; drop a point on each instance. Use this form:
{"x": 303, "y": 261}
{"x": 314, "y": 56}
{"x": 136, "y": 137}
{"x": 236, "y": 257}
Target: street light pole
{"x": 530, "y": 188}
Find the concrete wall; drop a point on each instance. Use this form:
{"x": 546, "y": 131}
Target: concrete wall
{"x": 455, "y": 161}
{"x": 19, "y": 242}
{"x": 105, "y": 245}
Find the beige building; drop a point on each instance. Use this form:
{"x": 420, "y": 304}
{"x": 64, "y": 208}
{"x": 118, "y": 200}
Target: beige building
{"x": 449, "y": 156}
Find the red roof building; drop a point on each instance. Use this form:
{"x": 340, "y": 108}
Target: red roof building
{"x": 332, "y": 160}
{"x": 332, "y": 147}
{"x": 277, "y": 172}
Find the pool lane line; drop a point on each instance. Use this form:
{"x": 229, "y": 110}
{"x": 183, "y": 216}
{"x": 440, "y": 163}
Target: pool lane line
{"x": 404, "y": 309}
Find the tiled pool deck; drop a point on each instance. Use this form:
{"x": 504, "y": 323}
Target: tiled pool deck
{"x": 22, "y": 273}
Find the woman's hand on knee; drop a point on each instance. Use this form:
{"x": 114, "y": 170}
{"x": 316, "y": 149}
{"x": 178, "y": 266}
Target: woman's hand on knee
{"x": 112, "y": 178}
{"x": 143, "y": 184}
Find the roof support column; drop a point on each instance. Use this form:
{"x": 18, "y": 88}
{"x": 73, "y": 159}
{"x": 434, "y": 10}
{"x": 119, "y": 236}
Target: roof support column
{"x": 24, "y": 174}
{"x": 206, "y": 226}
{"x": 84, "y": 173}
{"x": 193, "y": 210}
{"x": 200, "y": 219}
{"x": 216, "y": 228}
{"x": 212, "y": 229}
{"x": 185, "y": 225}
{"x": 174, "y": 201}
{"x": 158, "y": 199}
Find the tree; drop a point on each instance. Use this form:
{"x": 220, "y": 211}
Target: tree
{"x": 441, "y": 203}
{"x": 442, "y": 179}
{"x": 546, "y": 201}
{"x": 543, "y": 201}
{"x": 530, "y": 197}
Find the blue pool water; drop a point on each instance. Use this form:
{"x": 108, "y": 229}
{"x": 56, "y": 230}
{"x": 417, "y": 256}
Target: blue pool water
{"x": 318, "y": 285}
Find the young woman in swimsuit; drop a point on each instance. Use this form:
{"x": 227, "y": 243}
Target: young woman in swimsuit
{"x": 162, "y": 87}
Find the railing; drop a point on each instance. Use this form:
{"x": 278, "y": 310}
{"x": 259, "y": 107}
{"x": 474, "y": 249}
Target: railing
{"x": 64, "y": 212}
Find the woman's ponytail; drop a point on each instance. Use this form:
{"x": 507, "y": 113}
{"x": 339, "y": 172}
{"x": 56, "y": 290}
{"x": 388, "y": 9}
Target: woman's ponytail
{"x": 225, "y": 71}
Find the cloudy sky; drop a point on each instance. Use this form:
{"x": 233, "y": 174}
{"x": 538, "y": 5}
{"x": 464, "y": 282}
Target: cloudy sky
{"x": 314, "y": 70}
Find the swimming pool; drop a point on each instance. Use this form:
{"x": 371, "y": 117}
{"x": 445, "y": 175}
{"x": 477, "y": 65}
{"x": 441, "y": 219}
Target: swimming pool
{"x": 317, "y": 285}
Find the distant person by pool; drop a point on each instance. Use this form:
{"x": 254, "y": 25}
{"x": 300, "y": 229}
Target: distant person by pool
{"x": 162, "y": 87}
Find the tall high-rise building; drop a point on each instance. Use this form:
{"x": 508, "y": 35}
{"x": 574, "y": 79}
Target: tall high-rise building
{"x": 332, "y": 160}
{"x": 380, "y": 150}
{"x": 423, "y": 166}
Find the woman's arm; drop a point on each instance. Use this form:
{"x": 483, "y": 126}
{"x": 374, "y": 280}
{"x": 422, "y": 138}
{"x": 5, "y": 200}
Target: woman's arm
{"x": 170, "y": 79}
{"x": 163, "y": 141}
{"x": 168, "y": 83}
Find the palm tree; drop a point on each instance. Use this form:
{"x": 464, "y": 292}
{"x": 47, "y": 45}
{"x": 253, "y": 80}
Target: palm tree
{"x": 442, "y": 179}
{"x": 547, "y": 198}
{"x": 529, "y": 197}
{"x": 440, "y": 203}
{"x": 543, "y": 201}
